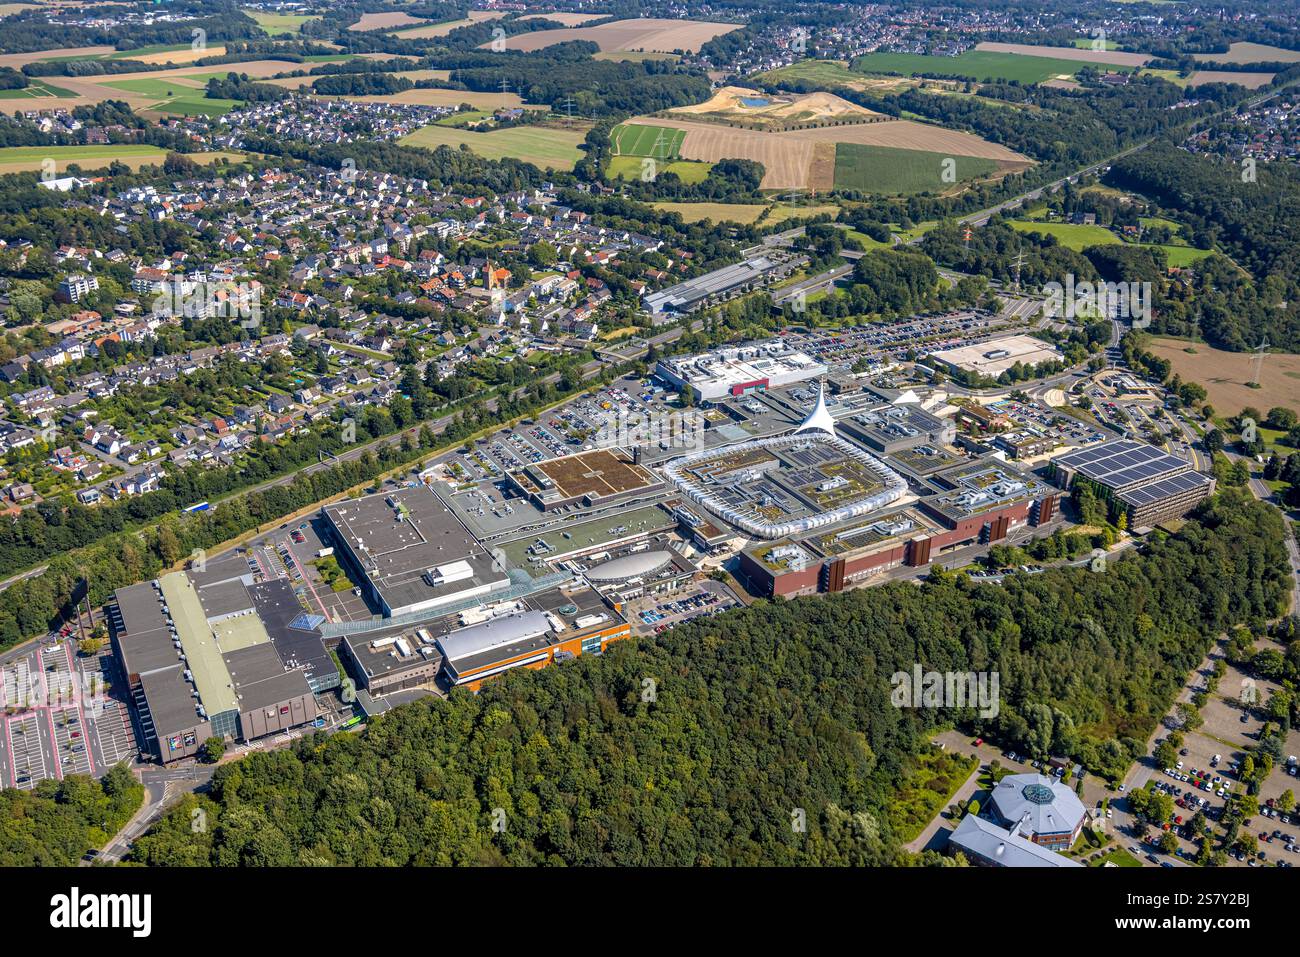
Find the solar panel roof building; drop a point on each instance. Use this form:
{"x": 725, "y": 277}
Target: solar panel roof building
{"x": 1148, "y": 484}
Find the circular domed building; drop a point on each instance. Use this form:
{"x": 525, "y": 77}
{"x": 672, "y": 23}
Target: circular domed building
{"x": 1039, "y": 809}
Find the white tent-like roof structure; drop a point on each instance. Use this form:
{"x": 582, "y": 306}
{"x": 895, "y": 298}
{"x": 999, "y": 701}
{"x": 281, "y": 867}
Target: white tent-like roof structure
{"x": 820, "y": 418}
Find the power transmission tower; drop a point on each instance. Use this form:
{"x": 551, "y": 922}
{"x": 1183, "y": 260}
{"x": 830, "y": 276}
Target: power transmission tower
{"x": 1017, "y": 263}
{"x": 1258, "y": 361}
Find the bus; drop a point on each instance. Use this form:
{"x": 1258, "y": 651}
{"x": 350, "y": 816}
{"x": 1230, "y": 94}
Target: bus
{"x": 351, "y": 723}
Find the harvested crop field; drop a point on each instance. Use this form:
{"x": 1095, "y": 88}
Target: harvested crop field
{"x": 568, "y": 19}
{"x": 788, "y": 157}
{"x": 1226, "y": 375}
{"x": 480, "y": 101}
{"x": 187, "y": 55}
{"x": 385, "y": 21}
{"x": 16, "y": 60}
{"x": 442, "y": 29}
{"x": 743, "y": 213}
{"x": 1251, "y": 81}
{"x": 23, "y": 159}
{"x": 661, "y": 36}
{"x": 1251, "y": 53}
{"x": 1110, "y": 57}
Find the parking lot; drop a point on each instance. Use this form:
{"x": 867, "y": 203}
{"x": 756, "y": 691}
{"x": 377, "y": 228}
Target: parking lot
{"x": 70, "y": 743}
{"x": 29, "y": 759}
{"x": 653, "y": 614}
{"x": 60, "y": 716}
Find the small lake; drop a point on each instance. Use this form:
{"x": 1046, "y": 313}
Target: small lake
{"x": 755, "y": 101}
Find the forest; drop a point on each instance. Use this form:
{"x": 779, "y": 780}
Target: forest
{"x": 57, "y": 822}
{"x": 698, "y": 746}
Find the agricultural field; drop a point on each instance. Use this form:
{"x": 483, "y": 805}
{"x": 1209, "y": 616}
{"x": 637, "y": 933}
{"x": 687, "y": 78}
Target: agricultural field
{"x": 805, "y": 158}
{"x": 182, "y": 96}
{"x": 634, "y": 56}
{"x": 636, "y": 140}
{"x": 982, "y": 65}
{"x": 17, "y": 60}
{"x": 743, "y": 213}
{"x": 643, "y": 34}
{"x": 36, "y": 90}
{"x": 542, "y": 146}
{"x": 428, "y": 30}
{"x": 279, "y": 24}
{"x": 1226, "y": 375}
{"x": 631, "y": 167}
{"x": 1086, "y": 54}
{"x": 1252, "y": 53}
{"x": 386, "y": 21}
{"x": 21, "y": 159}
{"x": 568, "y": 19}
{"x": 1251, "y": 81}
{"x": 882, "y": 169}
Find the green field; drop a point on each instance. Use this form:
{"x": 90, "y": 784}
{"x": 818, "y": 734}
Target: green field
{"x": 629, "y": 167}
{"x": 148, "y": 86}
{"x": 982, "y": 65}
{"x": 633, "y": 139}
{"x": 278, "y": 24}
{"x": 884, "y": 169}
{"x": 1074, "y": 236}
{"x": 542, "y": 146}
{"x": 824, "y": 72}
{"x": 175, "y": 97}
{"x": 36, "y": 90}
{"x": 1077, "y": 236}
{"x": 14, "y": 158}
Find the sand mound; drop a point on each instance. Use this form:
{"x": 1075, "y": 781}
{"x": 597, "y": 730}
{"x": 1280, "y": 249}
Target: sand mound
{"x": 743, "y": 103}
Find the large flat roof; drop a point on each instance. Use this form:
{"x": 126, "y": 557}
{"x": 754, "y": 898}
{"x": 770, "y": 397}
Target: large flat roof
{"x": 202, "y": 653}
{"x": 996, "y": 356}
{"x": 143, "y": 636}
{"x": 260, "y": 678}
{"x": 400, "y": 535}
{"x": 171, "y": 706}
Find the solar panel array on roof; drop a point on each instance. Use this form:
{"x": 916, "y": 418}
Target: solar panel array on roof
{"x": 1123, "y": 463}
